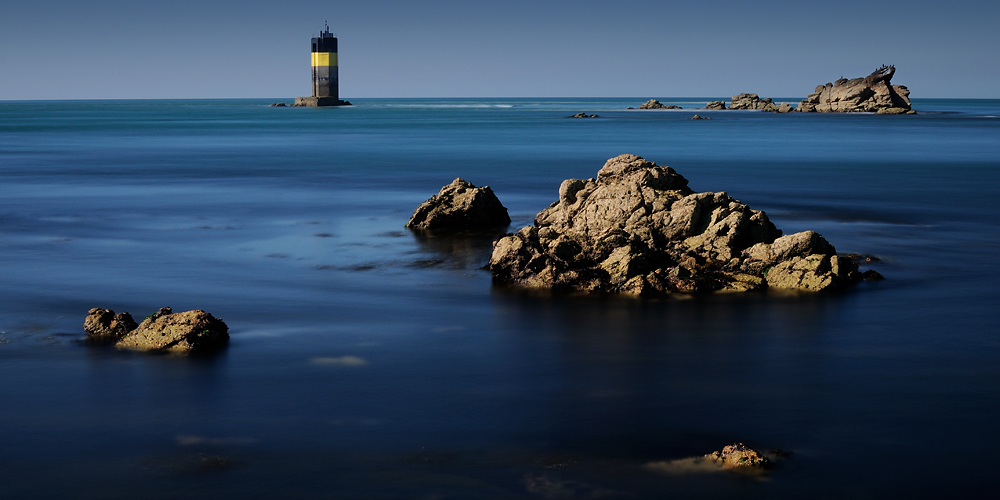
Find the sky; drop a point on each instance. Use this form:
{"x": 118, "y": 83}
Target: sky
{"x": 116, "y": 49}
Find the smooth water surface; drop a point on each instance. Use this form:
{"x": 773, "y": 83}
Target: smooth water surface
{"x": 369, "y": 362}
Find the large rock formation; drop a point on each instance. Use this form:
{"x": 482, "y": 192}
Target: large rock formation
{"x": 460, "y": 206}
{"x": 752, "y": 101}
{"x": 873, "y": 93}
{"x": 638, "y": 228}
{"x": 163, "y": 331}
{"x": 654, "y": 104}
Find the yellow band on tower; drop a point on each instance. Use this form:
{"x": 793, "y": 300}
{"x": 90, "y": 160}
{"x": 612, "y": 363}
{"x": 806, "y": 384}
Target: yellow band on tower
{"x": 324, "y": 58}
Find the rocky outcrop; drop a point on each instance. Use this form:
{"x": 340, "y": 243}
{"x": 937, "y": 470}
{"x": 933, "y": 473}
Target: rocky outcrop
{"x": 654, "y": 104}
{"x": 870, "y": 94}
{"x": 752, "y": 101}
{"x": 785, "y": 108}
{"x": 162, "y": 331}
{"x": 103, "y": 326}
{"x": 715, "y": 105}
{"x": 460, "y": 206}
{"x": 738, "y": 456}
{"x": 584, "y": 115}
{"x": 638, "y": 228}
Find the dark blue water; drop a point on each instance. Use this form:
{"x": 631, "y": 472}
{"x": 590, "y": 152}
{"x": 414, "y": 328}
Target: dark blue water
{"x": 367, "y": 362}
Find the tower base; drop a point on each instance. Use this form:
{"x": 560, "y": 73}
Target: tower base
{"x": 315, "y": 102}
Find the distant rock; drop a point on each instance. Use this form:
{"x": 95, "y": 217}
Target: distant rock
{"x": 584, "y": 115}
{"x": 752, "y": 101}
{"x": 103, "y": 326}
{"x": 460, "y": 206}
{"x": 639, "y": 229}
{"x": 735, "y": 458}
{"x": 163, "y": 331}
{"x": 715, "y": 105}
{"x": 699, "y": 117}
{"x": 654, "y": 104}
{"x": 873, "y": 93}
{"x": 786, "y": 108}
{"x": 279, "y": 105}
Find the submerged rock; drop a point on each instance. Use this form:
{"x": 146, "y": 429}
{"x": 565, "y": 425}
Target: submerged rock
{"x": 103, "y": 326}
{"x": 162, "y": 331}
{"x": 638, "y": 228}
{"x": 739, "y": 455}
{"x": 737, "y": 458}
{"x": 460, "y": 206}
{"x": 584, "y": 115}
{"x": 699, "y": 117}
{"x": 873, "y": 93}
{"x": 654, "y": 104}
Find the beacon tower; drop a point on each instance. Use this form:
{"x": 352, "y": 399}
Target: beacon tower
{"x": 324, "y": 66}
{"x": 325, "y": 78}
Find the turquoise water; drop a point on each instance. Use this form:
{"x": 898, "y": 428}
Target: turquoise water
{"x": 368, "y": 362}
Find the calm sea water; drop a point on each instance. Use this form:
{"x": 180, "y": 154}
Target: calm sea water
{"x": 367, "y": 362}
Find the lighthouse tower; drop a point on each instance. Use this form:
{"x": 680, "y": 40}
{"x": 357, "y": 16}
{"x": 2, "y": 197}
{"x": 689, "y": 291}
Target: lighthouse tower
{"x": 325, "y": 78}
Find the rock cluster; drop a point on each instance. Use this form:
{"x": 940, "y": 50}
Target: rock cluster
{"x": 654, "y": 104}
{"x": 699, "y": 117}
{"x": 752, "y": 101}
{"x": 460, "y": 206}
{"x": 584, "y": 115}
{"x": 716, "y": 105}
{"x": 858, "y": 94}
{"x": 163, "y": 331}
{"x": 638, "y": 228}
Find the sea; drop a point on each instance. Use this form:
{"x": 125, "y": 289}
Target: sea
{"x": 369, "y": 361}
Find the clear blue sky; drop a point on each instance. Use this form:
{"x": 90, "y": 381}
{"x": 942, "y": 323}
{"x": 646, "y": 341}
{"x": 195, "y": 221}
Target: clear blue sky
{"x": 58, "y": 49}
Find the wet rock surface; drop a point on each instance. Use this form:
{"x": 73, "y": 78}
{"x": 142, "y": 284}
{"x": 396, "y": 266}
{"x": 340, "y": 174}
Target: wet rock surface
{"x": 460, "y": 206}
{"x": 163, "y": 331}
{"x": 639, "y": 229}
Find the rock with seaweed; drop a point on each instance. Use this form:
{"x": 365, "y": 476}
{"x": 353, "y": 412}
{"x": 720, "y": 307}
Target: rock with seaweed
{"x": 639, "y": 229}
{"x": 162, "y": 331}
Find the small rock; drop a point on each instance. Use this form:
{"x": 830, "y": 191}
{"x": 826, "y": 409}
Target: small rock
{"x": 584, "y": 115}
{"x": 654, "y": 104}
{"x": 279, "y": 105}
{"x": 460, "y": 206}
{"x": 739, "y": 455}
{"x": 699, "y": 117}
{"x": 893, "y": 111}
{"x": 716, "y": 105}
{"x": 103, "y": 326}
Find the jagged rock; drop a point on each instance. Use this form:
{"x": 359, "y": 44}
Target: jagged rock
{"x": 752, "y": 101}
{"x": 716, "y": 105}
{"x": 870, "y": 94}
{"x": 279, "y": 105}
{"x": 584, "y": 115}
{"x": 638, "y": 228}
{"x": 738, "y": 456}
{"x": 103, "y": 326}
{"x": 460, "y": 206}
{"x": 699, "y": 117}
{"x": 786, "y": 108}
{"x": 183, "y": 332}
{"x": 654, "y": 104}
